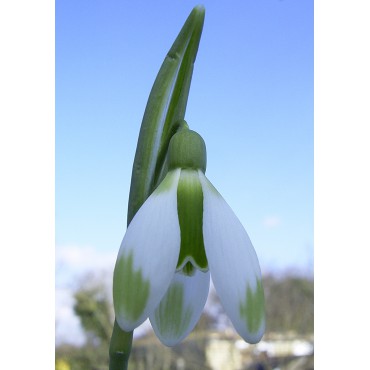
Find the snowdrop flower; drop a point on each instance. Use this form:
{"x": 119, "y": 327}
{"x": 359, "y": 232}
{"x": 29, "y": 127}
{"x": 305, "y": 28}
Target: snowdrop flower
{"x": 184, "y": 232}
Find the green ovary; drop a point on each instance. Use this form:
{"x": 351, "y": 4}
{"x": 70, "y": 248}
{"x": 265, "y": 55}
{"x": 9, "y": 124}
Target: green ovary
{"x": 130, "y": 289}
{"x": 187, "y": 150}
{"x": 253, "y": 310}
{"x": 171, "y": 317}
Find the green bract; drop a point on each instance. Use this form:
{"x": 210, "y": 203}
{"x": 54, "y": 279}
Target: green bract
{"x": 164, "y": 111}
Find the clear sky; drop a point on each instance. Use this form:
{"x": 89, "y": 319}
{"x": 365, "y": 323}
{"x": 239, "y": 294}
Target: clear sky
{"x": 251, "y": 99}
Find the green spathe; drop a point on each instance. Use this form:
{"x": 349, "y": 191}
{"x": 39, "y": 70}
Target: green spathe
{"x": 190, "y": 212}
{"x": 252, "y": 311}
{"x": 164, "y": 111}
{"x": 130, "y": 289}
{"x": 187, "y": 150}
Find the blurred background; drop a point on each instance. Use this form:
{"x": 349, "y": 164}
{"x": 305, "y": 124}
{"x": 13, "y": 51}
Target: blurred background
{"x": 251, "y": 99}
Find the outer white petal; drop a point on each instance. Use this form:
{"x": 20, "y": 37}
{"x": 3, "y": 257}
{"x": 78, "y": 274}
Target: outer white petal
{"x": 233, "y": 264}
{"x": 148, "y": 256}
{"x": 181, "y": 307}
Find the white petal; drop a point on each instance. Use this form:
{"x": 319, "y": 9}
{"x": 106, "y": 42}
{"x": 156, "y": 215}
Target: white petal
{"x": 181, "y": 307}
{"x": 233, "y": 264}
{"x": 148, "y": 256}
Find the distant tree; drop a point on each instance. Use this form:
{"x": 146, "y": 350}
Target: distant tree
{"x": 93, "y": 307}
{"x": 289, "y": 304}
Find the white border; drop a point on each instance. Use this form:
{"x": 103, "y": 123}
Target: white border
{"x": 27, "y": 184}
{"x": 342, "y": 223}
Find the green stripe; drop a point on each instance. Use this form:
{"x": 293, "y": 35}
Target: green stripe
{"x": 190, "y": 212}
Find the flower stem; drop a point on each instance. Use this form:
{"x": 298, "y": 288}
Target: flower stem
{"x": 120, "y": 348}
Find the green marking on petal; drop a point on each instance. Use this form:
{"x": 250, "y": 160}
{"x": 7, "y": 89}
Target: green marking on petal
{"x": 190, "y": 211}
{"x": 130, "y": 289}
{"x": 188, "y": 269}
{"x": 253, "y": 310}
{"x": 171, "y": 317}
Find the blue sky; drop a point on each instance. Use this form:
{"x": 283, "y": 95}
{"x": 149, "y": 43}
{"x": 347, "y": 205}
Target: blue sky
{"x": 251, "y": 99}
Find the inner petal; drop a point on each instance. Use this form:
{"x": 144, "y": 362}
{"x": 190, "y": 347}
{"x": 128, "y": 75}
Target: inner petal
{"x": 180, "y": 308}
{"x": 190, "y": 212}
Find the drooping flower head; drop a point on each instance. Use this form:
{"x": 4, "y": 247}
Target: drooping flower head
{"x": 182, "y": 234}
